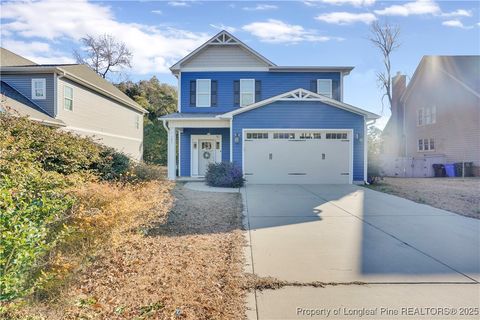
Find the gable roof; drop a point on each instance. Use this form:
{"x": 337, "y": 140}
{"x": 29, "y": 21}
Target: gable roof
{"x": 8, "y": 58}
{"x": 461, "y": 69}
{"x": 302, "y": 95}
{"x": 26, "y": 107}
{"x": 223, "y": 38}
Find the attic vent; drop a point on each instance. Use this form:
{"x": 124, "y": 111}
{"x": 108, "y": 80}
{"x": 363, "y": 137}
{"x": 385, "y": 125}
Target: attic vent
{"x": 224, "y": 39}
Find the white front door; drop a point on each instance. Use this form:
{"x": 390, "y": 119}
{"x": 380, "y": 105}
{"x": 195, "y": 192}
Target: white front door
{"x": 206, "y": 155}
{"x": 297, "y": 156}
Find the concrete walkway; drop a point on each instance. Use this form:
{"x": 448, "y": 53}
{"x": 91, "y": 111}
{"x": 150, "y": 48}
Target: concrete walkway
{"x": 407, "y": 254}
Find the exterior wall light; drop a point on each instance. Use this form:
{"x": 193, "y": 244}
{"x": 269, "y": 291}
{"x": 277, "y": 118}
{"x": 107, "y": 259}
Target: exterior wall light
{"x": 236, "y": 139}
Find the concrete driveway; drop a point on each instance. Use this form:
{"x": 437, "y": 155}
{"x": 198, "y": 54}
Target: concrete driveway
{"x": 407, "y": 254}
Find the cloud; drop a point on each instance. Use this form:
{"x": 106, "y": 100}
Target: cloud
{"x": 69, "y": 21}
{"x": 455, "y": 24}
{"x": 418, "y": 7}
{"x": 458, "y": 13}
{"x": 37, "y": 51}
{"x": 157, "y": 11}
{"x": 277, "y": 31}
{"x": 344, "y": 18}
{"x": 223, "y": 27}
{"x": 178, "y": 3}
{"x": 261, "y": 7}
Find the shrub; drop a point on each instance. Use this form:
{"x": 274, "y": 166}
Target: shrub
{"x": 225, "y": 174}
{"x": 112, "y": 165}
{"x": 147, "y": 172}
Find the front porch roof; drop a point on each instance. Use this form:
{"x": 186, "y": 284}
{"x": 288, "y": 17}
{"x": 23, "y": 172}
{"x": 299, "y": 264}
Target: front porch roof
{"x": 190, "y": 116}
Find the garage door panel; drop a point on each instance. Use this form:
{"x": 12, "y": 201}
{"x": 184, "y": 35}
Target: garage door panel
{"x": 297, "y": 160}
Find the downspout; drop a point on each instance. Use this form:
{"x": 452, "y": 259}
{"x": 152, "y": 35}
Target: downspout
{"x": 367, "y": 124}
{"x": 164, "y": 122}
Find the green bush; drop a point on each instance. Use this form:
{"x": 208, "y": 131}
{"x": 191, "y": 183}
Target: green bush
{"x": 112, "y": 165}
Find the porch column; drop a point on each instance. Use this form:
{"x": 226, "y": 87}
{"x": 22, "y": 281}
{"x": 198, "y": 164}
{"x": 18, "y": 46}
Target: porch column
{"x": 171, "y": 154}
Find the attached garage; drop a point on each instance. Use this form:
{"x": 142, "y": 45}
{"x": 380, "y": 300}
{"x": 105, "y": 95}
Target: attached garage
{"x": 298, "y": 156}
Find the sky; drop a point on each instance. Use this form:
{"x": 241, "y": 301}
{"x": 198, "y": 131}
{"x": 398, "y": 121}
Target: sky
{"x": 318, "y": 33}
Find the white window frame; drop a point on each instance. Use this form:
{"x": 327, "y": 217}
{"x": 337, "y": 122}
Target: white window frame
{"x": 43, "y": 81}
{"x": 242, "y": 91}
{"x": 433, "y": 114}
{"x": 209, "y": 104}
{"x": 137, "y": 121}
{"x": 426, "y": 144}
{"x": 65, "y": 97}
{"x": 329, "y": 81}
{"x": 420, "y": 117}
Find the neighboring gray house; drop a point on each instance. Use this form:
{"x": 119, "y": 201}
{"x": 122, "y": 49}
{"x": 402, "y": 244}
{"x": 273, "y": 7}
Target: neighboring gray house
{"x": 74, "y": 98}
{"x": 435, "y": 118}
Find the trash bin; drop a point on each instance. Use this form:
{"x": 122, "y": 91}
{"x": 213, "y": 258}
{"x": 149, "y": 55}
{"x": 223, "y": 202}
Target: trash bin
{"x": 458, "y": 169}
{"x": 450, "y": 169}
{"x": 468, "y": 169}
{"x": 439, "y": 170}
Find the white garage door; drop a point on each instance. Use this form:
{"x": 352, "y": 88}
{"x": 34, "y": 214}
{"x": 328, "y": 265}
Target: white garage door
{"x": 297, "y": 156}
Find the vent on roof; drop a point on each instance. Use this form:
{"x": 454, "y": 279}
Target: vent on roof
{"x": 224, "y": 39}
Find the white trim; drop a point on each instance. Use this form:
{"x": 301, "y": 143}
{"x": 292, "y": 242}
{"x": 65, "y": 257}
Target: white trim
{"x": 205, "y": 123}
{"x": 179, "y": 92}
{"x": 349, "y": 131}
{"x": 55, "y": 94}
{"x": 231, "y": 140}
{"x": 301, "y": 94}
{"x": 330, "y": 95}
{"x": 43, "y": 82}
{"x": 224, "y": 69}
{"x": 203, "y": 93}
{"x": 253, "y": 91}
{"x": 179, "y": 152}
{"x": 171, "y": 153}
{"x": 217, "y": 40}
{"x": 341, "y": 86}
{"x": 64, "y": 97}
{"x": 101, "y": 133}
{"x": 194, "y": 155}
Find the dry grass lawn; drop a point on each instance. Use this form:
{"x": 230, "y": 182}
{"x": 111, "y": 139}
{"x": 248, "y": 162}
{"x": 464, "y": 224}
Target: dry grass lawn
{"x": 178, "y": 257}
{"x": 457, "y": 195}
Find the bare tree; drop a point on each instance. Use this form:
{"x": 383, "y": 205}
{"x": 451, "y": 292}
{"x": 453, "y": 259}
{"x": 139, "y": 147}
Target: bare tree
{"x": 103, "y": 54}
{"x": 386, "y": 38}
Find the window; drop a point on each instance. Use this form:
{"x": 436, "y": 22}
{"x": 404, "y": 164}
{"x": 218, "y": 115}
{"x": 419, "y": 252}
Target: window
{"x": 310, "y": 135}
{"x": 420, "y": 117}
{"x": 284, "y": 135}
{"x": 257, "y": 135}
{"x": 324, "y": 87}
{"x": 426, "y": 144}
{"x": 68, "y": 98}
{"x": 247, "y": 92}
{"x": 203, "y": 93}
{"x": 426, "y": 116}
{"x": 336, "y": 135}
{"x": 39, "y": 89}
{"x": 137, "y": 121}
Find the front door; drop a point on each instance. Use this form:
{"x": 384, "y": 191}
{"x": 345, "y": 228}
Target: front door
{"x": 206, "y": 155}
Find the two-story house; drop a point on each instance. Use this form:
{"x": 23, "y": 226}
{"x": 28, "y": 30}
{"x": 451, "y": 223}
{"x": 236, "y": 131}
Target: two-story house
{"x": 435, "y": 118}
{"x": 279, "y": 124}
{"x": 72, "y": 97}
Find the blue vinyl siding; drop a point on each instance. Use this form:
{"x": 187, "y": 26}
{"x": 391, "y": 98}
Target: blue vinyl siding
{"x": 286, "y": 114}
{"x": 23, "y": 84}
{"x": 272, "y": 84}
{"x": 185, "y": 148}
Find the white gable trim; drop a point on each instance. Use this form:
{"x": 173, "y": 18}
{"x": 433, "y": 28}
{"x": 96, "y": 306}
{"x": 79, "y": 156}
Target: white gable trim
{"x": 223, "y": 38}
{"x": 301, "y": 95}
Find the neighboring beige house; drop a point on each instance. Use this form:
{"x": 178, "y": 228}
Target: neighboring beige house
{"x": 74, "y": 98}
{"x": 436, "y": 118}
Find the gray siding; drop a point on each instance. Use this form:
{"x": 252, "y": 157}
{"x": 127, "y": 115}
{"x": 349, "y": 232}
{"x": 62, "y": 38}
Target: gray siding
{"x": 457, "y": 128}
{"x": 23, "y": 84}
{"x": 224, "y": 57}
{"x": 104, "y": 119}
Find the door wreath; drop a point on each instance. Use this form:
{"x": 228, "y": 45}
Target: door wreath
{"x": 206, "y": 155}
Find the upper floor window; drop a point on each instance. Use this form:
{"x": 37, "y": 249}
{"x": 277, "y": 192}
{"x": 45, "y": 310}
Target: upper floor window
{"x": 68, "y": 98}
{"x": 39, "y": 89}
{"x": 324, "y": 87}
{"x": 204, "y": 88}
{"x": 427, "y": 115}
{"x": 137, "y": 121}
{"x": 247, "y": 92}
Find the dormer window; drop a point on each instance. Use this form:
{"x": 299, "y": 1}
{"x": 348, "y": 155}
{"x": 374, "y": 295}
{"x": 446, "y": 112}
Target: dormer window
{"x": 39, "y": 89}
{"x": 203, "y": 93}
{"x": 247, "y": 92}
{"x": 324, "y": 87}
